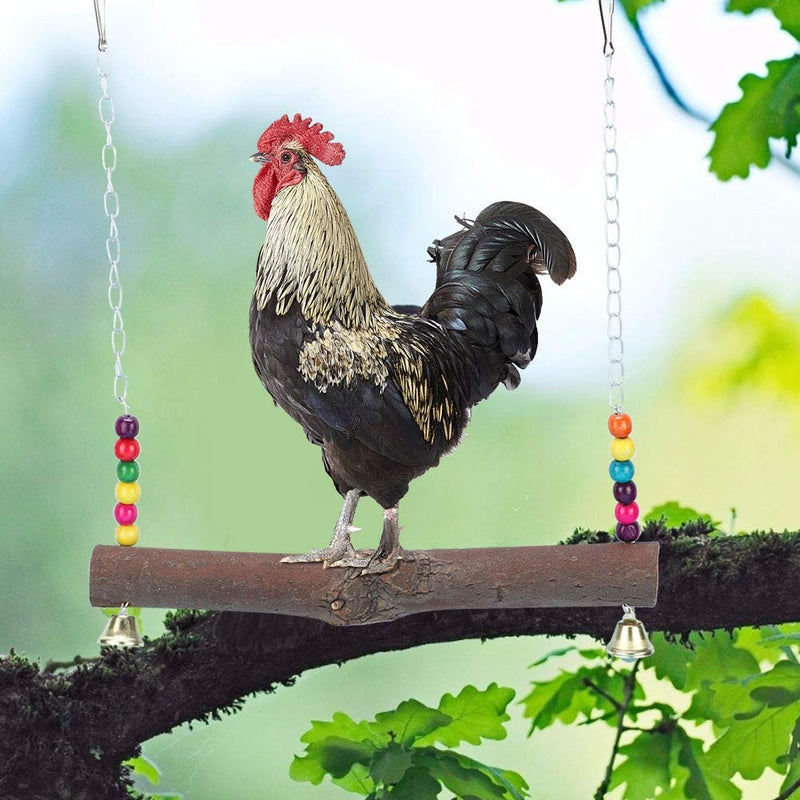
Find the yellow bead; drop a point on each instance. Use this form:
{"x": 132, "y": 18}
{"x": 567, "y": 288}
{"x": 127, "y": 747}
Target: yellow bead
{"x": 622, "y": 449}
{"x": 128, "y": 493}
{"x": 127, "y": 535}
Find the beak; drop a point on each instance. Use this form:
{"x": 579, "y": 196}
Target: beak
{"x": 260, "y": 158}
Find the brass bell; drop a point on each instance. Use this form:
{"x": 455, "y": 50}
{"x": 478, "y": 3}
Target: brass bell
{"x": 630, "y": 641}
{"x": 121, "y": 631}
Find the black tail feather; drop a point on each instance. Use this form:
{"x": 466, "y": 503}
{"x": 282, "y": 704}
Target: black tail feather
{"x": 487, "y": 291}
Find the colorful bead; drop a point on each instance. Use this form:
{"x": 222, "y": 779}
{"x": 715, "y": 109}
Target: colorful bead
{"x": 126, "y": 449}
{"x": 125, "y": 513}
{"x": 625, "y": 493}
{"x": 128, "y": 471}
{"x": 622, "y": 449}
{"x": 621, "y": 471}
{"x": 620, "y": 425}
{"x": 128, "y": 493}
{"x": 626, "y": 514}
{"x": 628, "y": 533}
{"x": 127, "y": 427}
{"x": 127, "y": 535}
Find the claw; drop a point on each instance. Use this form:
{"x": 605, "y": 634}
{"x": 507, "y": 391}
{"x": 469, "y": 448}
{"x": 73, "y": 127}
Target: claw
{"x": 381, "y": 563}
{"x": 355, "y": 559}
{"x": 314, "y": 556}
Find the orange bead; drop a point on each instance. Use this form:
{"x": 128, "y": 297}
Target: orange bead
{"x": 620, "y": 425}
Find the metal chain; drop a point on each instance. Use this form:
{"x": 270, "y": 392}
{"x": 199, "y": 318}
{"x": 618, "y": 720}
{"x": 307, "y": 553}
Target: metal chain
{"x": 111, "y": 207}
{"x": 616, "y": 349}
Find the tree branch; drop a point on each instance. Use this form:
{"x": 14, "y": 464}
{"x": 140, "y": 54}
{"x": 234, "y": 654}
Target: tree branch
{"x": 73, "y": 729}
{"x": 789, "y": 791}
{"x": 672, "y": 92}
{"x": 622, "y": 710}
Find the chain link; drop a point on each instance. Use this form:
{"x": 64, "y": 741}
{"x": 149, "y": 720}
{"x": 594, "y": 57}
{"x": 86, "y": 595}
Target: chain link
{"x": 616, "y": 349}
{"x": 105, "y": 109}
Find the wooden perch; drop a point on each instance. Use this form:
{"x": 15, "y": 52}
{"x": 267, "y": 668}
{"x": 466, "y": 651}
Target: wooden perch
{"x": 71, "y": 729}
{"x": 564, "y": 576}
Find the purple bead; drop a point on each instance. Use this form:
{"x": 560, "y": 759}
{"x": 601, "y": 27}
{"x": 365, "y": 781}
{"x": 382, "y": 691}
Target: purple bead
{"x": 127, "y": 427}
{"x": 628, "y": 533}
{"x": 625, "y": 493}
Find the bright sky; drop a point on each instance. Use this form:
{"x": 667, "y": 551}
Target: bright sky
{"x": 450, "y": 110}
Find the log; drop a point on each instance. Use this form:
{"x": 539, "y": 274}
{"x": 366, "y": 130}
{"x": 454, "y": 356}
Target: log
{"x": 435, "y": 580}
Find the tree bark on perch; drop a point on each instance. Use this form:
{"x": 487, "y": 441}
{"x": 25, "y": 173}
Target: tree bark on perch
{"x": 434, "y": 580}
{"x": 64, "y": 734}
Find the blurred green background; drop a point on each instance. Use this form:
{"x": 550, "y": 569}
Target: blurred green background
{"x": 714, "y": 394}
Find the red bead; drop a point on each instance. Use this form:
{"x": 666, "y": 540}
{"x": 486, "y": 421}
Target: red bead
{"x": 126, "y": 449}
{"x": 620, "y": 425}
{"x": 627, "y": 514}
{"x": 628, "y": 533}
{"x": 125, "y": 514}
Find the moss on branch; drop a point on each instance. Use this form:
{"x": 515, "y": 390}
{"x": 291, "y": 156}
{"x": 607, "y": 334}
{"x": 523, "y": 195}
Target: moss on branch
{"x": 64, "y": 733}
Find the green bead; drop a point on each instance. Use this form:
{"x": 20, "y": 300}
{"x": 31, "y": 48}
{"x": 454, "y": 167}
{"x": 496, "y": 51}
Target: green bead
{"x": 128, "y": 471}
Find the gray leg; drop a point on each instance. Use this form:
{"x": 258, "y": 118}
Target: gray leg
{"x": 389, "y": 552}
{"x": 340, "y": 549}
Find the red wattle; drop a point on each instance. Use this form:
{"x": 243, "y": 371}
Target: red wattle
{"x": 264, "y": 189}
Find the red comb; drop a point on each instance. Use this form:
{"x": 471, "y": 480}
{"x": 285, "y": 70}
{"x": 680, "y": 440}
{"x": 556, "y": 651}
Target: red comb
{"x": 313, "y": 139}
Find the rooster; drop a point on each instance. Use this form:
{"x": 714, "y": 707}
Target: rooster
{"x": 385, "y": 391}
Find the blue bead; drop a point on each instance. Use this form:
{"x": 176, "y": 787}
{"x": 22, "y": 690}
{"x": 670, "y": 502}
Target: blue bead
{"x": 621, "y": 471}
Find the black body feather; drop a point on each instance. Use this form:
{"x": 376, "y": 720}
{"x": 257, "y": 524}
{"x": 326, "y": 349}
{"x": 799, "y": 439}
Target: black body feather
{"x": 379, "y": 432}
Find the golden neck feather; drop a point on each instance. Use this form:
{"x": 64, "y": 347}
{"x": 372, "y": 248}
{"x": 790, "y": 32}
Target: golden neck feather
{"x": 311, "y": 255}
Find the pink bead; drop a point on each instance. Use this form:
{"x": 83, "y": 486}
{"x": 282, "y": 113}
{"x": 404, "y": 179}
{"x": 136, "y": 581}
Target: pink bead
{"x": 627, "y": 514}
{"x": 125, "y": 514}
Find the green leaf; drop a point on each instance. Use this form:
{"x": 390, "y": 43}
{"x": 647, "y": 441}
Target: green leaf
{"x": 646, "y": 768}
{"x": 696, "y": 780}
{"x": 569, "y": 695}
{"x": 633, "y": 7}
{"x": 769, "y": 643}
{"x": 417, "y": 784}
{"x": 670, "y": 660}
{"x": 410, "y": 721}
{"x": 332, "y": 755}
{"x": 464, "y": 781}
{"x": 726, "y": 701}
{"x": 475, "y": 715}
{"x": 145, "y": 768}
{"x": 673, "y": 515}
{"x": 306, "y": 768}
{"x": 792, "y": 776}
{"x": 717, "y": 659}
{"x": 591, "y": 653}
{"x": 357, "y": 781}
{"x": 390, "y": 764}
{"x": 786, "y": 11}
{"x": 337, "y": 755}
{"x": 345, "y": 728}
{"x": 757, "y": 348}
{"x": 769, "y": 108}
{"x": 513, "y": 784}
{"x": 776, "y": 637}
{"x": 751, "y": 745}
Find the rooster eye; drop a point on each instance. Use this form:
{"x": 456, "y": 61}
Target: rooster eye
{"x": 286, "y": 158}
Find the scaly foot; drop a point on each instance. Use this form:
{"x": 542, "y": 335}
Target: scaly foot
{"x": 381, "y": 562}
{"x": 389, "y": 552}
{"x": 340, "y": 547}
{"x": 334, "y": 555}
